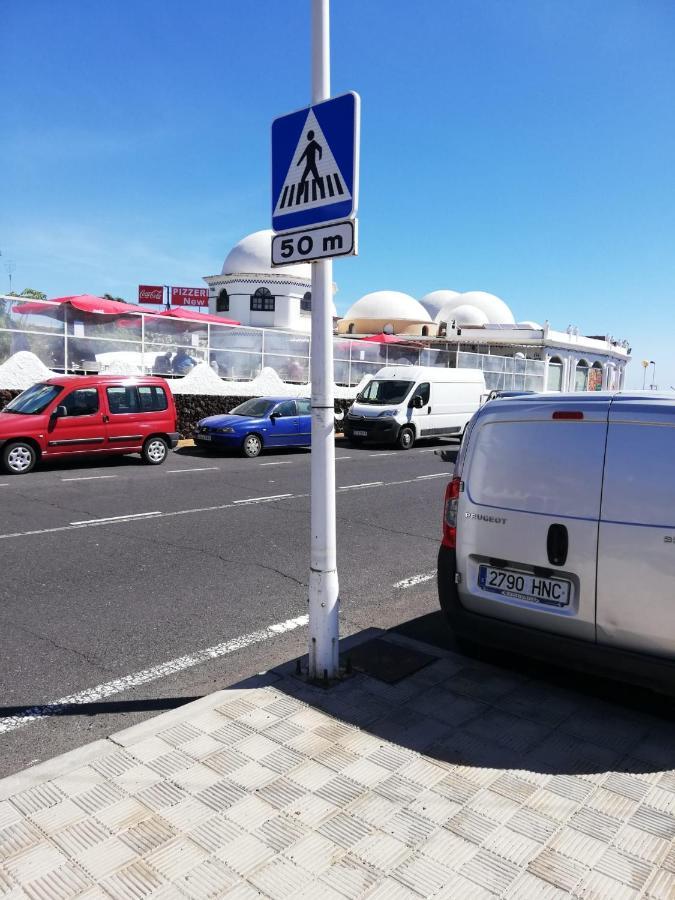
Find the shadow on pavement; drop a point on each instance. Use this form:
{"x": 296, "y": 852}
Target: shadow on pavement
{"x": 492, "y": 712}
{"x": 150, "y": 704}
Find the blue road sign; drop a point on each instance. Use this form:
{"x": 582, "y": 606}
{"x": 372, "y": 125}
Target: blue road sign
{"x": 315, "y": 163}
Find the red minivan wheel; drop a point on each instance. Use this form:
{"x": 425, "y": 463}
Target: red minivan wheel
{"x": 155, "y": 451}
{"x": 19, "y": 457}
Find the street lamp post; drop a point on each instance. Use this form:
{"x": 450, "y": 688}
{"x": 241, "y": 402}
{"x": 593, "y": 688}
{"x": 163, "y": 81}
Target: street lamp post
{"x": 653, "y": 365}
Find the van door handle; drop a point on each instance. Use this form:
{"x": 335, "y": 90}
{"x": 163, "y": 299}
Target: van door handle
{"x": 557, "y": 544}
{"x": 106, "y": 418}
{"x": 429, "y": 411}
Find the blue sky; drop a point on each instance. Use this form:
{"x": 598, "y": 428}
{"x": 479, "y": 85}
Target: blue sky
{"x": 523, "y": 147}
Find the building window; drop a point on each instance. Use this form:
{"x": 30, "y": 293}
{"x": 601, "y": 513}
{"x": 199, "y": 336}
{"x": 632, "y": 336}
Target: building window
{"x": 306, "y": 302}
{"x": 350, "y": 330}
{"x": 555, "y": 374}
{"x": 262, "y": 300}
{"x": 581, "y": 376}
{"x": 425, "y": 330}
{"x": 223, "y": 301}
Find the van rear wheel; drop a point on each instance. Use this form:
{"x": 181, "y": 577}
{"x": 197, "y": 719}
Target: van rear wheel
{"x": 406, "y": 438}
{"x": 19, "y": 457}
{"x": 154, "y": 451}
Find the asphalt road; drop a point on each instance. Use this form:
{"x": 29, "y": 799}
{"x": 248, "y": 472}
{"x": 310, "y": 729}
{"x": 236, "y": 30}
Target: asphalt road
{"x": 117, "y": 576}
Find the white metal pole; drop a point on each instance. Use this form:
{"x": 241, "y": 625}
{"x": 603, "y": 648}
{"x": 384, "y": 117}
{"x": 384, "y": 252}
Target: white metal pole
{"x": 323, "y": 578}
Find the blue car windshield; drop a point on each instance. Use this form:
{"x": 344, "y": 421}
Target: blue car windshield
{"x": 35, "y": 400}
{"x": 257, "y": 408}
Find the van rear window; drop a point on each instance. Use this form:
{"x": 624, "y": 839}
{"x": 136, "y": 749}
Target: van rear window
{"x": 131, "y": 399}
{"x": 546, "y": 467}
{"x": 152, "y": 398}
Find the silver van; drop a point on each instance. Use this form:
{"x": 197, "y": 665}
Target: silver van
{"x": 559, "y": 531}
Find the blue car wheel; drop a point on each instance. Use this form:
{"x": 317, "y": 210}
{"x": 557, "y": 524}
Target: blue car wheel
{"x": 251, "y": 446}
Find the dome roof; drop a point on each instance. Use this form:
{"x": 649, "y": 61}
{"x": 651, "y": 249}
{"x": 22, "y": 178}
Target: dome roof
{"x": 436, "y": 300}
{"x": 253, "y": 256}
{"x": 497, "y": 312}
{"x": 388, "y": 305}
{"x": 464, "y": 315}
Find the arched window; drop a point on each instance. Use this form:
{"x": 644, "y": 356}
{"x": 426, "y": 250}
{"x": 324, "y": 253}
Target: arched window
{"x": 425, "y": 331}
{"x": 581, "y": 376}
{"x": 555, "y": 374}
{"x": 595, "y": 377}
{"x": 350, "y": 330}
{"x": 223, "y": 301}
{"x": 262, "y": 300}
{"x": 306, "y": 302}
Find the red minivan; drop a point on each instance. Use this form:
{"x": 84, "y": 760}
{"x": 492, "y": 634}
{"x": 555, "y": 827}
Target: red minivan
{"x": 76, "y": 414}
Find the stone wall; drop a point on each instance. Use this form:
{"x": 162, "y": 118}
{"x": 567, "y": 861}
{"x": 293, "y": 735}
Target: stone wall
{"x": 193, "y": 407}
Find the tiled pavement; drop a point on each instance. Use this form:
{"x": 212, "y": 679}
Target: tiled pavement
{"x": 461, "y": 781}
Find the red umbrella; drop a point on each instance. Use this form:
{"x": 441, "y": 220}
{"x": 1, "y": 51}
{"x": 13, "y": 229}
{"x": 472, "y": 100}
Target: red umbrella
{"x": 383, "y": 338}
{"x": 197, "y": 317}
{"x": 83, "y": 302}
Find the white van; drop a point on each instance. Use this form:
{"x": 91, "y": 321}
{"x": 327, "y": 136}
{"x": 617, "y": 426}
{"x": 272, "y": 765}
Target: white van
{"x": 404, "y": 403}
{"x": 559, "y": 531}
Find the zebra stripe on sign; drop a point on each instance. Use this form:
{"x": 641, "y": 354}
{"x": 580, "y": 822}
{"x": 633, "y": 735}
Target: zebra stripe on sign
{"x": 314, "y": 178}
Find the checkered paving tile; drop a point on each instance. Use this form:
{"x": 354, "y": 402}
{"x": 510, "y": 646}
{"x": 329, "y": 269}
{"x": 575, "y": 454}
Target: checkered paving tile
{"x": 462, "y": 781}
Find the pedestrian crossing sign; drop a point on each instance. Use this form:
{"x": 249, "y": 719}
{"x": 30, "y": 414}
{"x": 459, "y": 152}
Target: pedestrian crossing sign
{"x": 315, "y": 164}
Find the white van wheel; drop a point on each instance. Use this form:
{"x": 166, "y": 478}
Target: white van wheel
{"x": 19, "y": 457}
{"x": 154, "y": 451}
{"x": 406, "y": 438}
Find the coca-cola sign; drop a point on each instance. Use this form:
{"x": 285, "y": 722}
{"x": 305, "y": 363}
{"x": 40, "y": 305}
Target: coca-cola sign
{"x": 150, "y": 293}
{"x": 187, "y": 296}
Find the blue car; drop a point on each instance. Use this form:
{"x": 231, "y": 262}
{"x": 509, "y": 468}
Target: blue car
{"x": 256, "y": 424}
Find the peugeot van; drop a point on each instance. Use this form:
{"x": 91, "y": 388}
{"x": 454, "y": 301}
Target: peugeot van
{"x": 559, "y": 531}
{"x": 404, "y": 403}
{"x": 72, "y": 415}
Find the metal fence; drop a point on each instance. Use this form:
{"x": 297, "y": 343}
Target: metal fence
{"x": 66, "y": 340}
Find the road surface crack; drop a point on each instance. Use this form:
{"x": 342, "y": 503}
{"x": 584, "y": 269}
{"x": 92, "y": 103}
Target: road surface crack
{"x": 48, "y": 640}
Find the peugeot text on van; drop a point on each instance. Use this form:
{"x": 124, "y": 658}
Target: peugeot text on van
{"x": 404, "y": 403}
{"x": 73, "y": 415}
{"x": 559, "y": 531}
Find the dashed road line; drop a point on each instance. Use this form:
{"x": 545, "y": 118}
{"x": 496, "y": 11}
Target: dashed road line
{"x": 283, "y": 462}
{"x": 88, "y": 477}
{"x": 413, "y": 580}
{"x": 388, "y": 453}
{"x": 105, "y": 519}
{"x": 260, "y": 499}
{"x": 127, "y": 682}
{"x": 365, "y": 484}
{"x": 435, "y": 475}
{"x": 200, "y": 469}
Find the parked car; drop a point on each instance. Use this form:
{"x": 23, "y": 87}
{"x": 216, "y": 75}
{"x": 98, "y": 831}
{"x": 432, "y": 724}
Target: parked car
{"x": 73, "y": 415}
{"x": 559, "y": 531}
{"x": 256, "y": 424}
{"x": 404, "y": 403}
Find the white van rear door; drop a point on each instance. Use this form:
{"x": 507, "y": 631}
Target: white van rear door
{"x": 636, "y": 546}
{"x": 532, "y": 483}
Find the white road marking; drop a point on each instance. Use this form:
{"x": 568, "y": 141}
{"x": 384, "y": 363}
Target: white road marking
{"x": 126, "y": 518}
{"x": 415, "y": 579}
{"x": 284, "y": 462}
{"x": 392, "y": 453}
{"x": 201, "y": 469}
{"x": 236, "y": 504}
{"x": 88, "y": 477}
{"x": 337, "y": 458}
{"x": 435, "y": 475}
{"x": 5, "y": 484}
{"x": 259, "y": 499}
{"x": 93, "y": 695}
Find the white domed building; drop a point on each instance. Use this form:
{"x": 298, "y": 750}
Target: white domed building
{"x": 391, "y": 312}
{"x": 252, "y": 291}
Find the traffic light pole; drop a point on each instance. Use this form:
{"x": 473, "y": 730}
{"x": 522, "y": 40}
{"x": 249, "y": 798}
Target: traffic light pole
{"x": 323, "y": 578}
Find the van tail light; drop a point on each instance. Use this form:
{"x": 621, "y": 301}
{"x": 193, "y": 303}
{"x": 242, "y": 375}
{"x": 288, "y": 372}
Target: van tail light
{"x": 567, "y": 414}
{"x": 450, "y": 514}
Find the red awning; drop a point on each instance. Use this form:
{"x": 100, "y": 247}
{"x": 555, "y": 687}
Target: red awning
{"x": 199, "y": 318}
{"x": 383, "y": 338}
{"x": 83, "y": 302}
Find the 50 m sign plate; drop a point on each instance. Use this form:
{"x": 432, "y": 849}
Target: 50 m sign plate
{"x": 338, "y": 239}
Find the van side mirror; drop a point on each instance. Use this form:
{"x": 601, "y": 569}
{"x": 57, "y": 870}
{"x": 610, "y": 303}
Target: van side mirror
{"x": 60, "y": 412}
{"x": 418, "y": 402}
{"x": 275, "y": 415}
